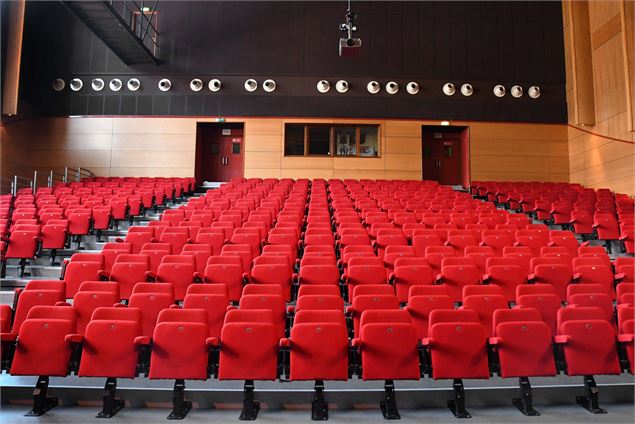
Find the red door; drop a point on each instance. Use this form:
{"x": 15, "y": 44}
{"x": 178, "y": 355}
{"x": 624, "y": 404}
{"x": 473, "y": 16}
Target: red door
{"x": 219, "y": 153}
{"x": 443, "y": 156}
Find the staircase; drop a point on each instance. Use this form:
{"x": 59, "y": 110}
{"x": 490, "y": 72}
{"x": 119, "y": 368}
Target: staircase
{"x": 122, "y": 25}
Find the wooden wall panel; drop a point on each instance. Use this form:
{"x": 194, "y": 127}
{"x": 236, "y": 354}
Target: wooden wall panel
{"x": 160, "y": 146}
{"x": 595, "y": 160}
{"x": 581, "y": 63}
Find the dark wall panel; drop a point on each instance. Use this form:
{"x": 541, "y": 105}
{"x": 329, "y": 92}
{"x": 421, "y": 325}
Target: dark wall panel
{"x": 295, "y": 43}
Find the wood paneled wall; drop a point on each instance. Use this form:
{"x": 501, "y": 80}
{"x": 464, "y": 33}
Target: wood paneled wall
{"x": 596, "y": 161}
{"x": 130, "y": 146}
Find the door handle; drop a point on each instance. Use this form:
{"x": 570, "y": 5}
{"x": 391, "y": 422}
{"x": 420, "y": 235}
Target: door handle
{"x": 226, "y": 161}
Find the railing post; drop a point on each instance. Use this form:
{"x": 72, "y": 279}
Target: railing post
{"x": 50, "y": 179}
{"x": 79, "y": 174}
{"x": 14, "y": 185}
{"x": 34, "y": 182}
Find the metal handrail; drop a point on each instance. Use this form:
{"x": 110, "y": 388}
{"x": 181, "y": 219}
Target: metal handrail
{"x": 37, "y": 174}
{"x": 17, "y": 181}
{"x": 4, "y": 183}
{"x": 79, "y": 173}
{"x": 128, "y": 14}
{"x": 52, "y": 175}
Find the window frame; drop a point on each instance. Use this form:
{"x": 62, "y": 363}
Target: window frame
{"x": 332, "y": 140}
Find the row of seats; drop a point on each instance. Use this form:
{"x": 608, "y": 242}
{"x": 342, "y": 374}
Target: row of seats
{"x": 50, "y": 218}
{"x": 592, "y": 213}
{"x": 252, "y": 343}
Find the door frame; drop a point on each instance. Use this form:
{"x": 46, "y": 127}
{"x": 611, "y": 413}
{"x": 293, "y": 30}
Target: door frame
{"x": 198, "y": 148}
{"x": 464, "y": 130}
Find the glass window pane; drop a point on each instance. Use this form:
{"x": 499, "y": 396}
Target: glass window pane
{"x": 294, "y": 140}
{"x": 345, "y": 142}
{"x": 214, "y": 149}
{"x": 236, "y": 148}
{"x": 369, "y": 141}
{"x": 320, "y": 140}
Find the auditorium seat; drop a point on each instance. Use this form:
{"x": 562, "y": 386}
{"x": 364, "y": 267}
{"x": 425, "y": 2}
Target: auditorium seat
{"x": 457, "y": 352}
{"x": 387, "y": 346}
{"x": 248, "y": 351}
{"x": 90, "y": 296}
{"x": 226, "y": 270}
{"x": 180, "y": 351}
{"x": 151, "y": 299}
{"x": 115, "y": 356}
{"x": 43, "y": 348}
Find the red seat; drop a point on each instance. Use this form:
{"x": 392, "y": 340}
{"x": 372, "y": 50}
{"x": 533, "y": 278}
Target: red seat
{"x": 275, "y": 303}
{"x": 151, "y": 299}
{"x": 485, "y": 305}
{"x": 226, "y": 270}
{"x": 454, "y": 277}
{"x": 405, "y": 277}
{"x": 419, "y": 308}
{"x": 388, "y": 345}
{"x": 363, "y": 303}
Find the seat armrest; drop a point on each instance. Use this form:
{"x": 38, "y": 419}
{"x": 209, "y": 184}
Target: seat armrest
{"x": 8, "y": 337}
{"x": 197, "y": 277}
{"x": 438, "y": 279}
{"x": 427, "y": 342}
{"x": 246, "y": 279}
{"x": 103, "y": 275}
{"x": 531, "y": 278}
{"x": 576, "y": 276}
{"x": 119, "y": 240}
{"x": 356, "y": 342}
{"x": 150, "y": 276}
{"x": 212, "y": 342}
{"x": 74, "y": 338}
{"x": 62, "y": 304}
{"x": 284, "y": 342}
{"x": 619, "y": 276}
{"x": 391, "y": 278}
{"x": 485, "y": 278}
{"x": 349, "y": 310}
{"x": 142, "y": 340}
{"x": 175, "y": 307}
{"x": 231, "y": 308}
{"x": 291, "y": 310}
{"x": 625, "y": 338}
{"x": 562, "y": 339}
{"x": 495, "y": 341}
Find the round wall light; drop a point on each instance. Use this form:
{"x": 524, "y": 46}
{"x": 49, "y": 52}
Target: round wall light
{"x": 251, "y": 85}
{"x": 500, "y": 91}
{"x": 534, "y": 91}
{"x": 165, "y": 84}
{"x": 323, "y": 86}
{"x": 392, "y": 87}
{"x": 373, "y": 87}
{"x": 517, "y": 91}
{"x": 76, "y": 84}
{"x": 133, "y": 84}
{"x": 449, "y": 89}
{"x": 467, "y": 90}
{"x": 58, "y": 84}
{"x": 196, "y": 84}
{"x": 214, "y": 85}
{"x": 412, "y": 88}
{"x": 97, "y": 84}
{"x": 269, "y": 85}
{"x": 341, "y": 86}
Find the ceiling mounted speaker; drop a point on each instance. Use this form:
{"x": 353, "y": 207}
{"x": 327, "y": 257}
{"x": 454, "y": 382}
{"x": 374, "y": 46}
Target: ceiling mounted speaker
{"x": 165, "y": 84}
{"x": 58, "y": 84}
{"x": 467, "y": 90}
{"x": 97, "y": 84}
{"x": 373, "y": 87}
{"x": 392, "y": 87}
{"x": 517, "y": 91}
{"x": 196, "y": 84}
{"x": 269, "y": 85}
{"x": 500, "y": 91}
{"x": 214, "y": 85}
{"x": 115, "y": 84}
{"x": 133, "y": 84}
{"x": 323, "y": 86}
{"x": 534, "y": 91}
{"x": 449, "y": 89}
{"x": 412, "y": 87}
{"x": 251, "y": 85}
{"x": 341, "y": 86}
{"x": 76, "y": 84}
